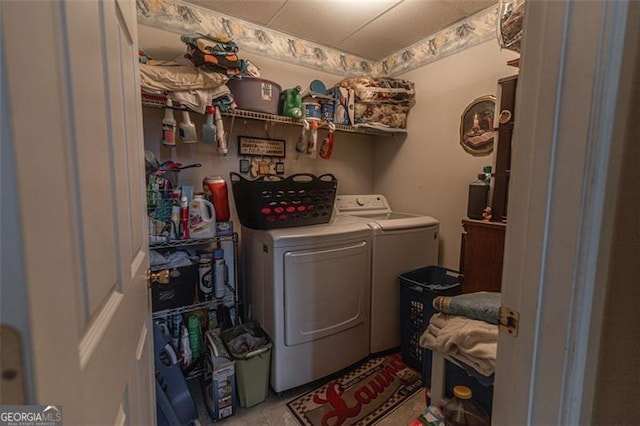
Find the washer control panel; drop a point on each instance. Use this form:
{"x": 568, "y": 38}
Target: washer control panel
{"x": 355, "y": 203}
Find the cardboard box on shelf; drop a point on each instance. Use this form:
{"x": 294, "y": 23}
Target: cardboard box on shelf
{"x": 220, "y": 380}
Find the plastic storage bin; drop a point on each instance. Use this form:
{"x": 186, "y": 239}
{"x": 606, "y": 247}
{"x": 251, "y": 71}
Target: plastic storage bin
{"x": 179, "y": 291}
{"x": 418, "y": 288}
{"x": 252, "y": 362}
{"x": 255, "y": 94}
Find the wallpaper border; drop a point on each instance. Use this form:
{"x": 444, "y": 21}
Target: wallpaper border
{"x": 180, "y": 17}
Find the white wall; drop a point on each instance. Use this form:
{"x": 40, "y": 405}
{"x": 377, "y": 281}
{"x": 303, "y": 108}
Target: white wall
{"x": 429, "y": 172}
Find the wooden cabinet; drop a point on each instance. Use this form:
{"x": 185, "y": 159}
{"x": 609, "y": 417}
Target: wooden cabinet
{"x": 502, "y": 170}
{"x": 482, "y": 249}
{"x": 481, "y": 255}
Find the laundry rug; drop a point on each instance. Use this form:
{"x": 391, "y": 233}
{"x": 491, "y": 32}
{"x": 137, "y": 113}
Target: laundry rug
{"x": 361, "y": 396}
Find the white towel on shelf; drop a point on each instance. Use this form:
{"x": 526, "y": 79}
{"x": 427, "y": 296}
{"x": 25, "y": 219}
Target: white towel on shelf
{"x": 471, "y": 341}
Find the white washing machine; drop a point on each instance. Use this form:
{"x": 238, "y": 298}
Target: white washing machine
{"x": 401, "y": 242}
{"x": 309, "y": 289}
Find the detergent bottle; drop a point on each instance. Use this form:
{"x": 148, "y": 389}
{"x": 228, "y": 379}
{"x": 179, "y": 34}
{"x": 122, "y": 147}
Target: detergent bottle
{"x": 290, "y": 102}
{"x": 202, "y": 217}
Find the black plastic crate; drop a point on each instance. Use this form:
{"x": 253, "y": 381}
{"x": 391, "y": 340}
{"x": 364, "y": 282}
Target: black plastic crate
{"x": 418, "y": 288}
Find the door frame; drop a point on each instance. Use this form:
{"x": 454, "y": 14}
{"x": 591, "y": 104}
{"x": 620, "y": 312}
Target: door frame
{"x": 577, "y": 58}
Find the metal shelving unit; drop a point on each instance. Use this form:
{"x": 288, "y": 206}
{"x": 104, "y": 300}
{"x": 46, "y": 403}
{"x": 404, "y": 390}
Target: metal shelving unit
{"x": 159, "y": 101}
{"x": 215, "y": 303}
{"x": 208, "y": 303}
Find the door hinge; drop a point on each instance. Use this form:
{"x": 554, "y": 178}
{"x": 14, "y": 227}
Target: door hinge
{"x": 12, "y": 380}
{"x": 509, "y": 321}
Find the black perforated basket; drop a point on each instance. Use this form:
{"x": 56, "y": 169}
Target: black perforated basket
{"x": 271, "y": 201}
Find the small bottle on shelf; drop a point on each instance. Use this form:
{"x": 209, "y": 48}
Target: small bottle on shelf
{"x": 206, "y": 279}
{"x": 175, "y": 214}
{"x": 220, "y": 273}
{"x": 195, "y": 335}
{"x": 185, "y": 348}
{"x": 184, "y": 218}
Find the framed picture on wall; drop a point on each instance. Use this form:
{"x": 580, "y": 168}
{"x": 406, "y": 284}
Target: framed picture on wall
{"x": 476, "y": 126}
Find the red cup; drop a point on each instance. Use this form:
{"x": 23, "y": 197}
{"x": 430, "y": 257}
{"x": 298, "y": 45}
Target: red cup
{"x": 216, "y": 188}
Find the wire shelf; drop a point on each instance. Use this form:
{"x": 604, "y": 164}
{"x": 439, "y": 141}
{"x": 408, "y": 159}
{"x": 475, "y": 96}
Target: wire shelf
{"x": 193, "y": 241}
{"x": 159, "y": 101}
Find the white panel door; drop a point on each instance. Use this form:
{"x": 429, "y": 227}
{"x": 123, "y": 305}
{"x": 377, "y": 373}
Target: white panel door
{"x": 76, "y": 129}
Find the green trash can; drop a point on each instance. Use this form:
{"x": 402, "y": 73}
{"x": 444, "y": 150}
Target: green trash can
{"x": 250, "y": 347}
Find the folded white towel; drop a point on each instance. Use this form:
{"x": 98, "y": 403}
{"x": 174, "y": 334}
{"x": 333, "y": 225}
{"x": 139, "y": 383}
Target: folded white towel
{"x": 474, "y": 342}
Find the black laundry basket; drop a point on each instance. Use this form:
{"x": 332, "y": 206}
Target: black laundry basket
{"x": 418, "y": 288}
{"x": 271, "y": 201}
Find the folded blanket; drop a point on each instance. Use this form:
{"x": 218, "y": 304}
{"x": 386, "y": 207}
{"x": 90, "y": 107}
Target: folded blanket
{"x": 471, "y": 341}
{"x": 482, "y": 305}
{"x": 173, "y": 78}
{"x": 197, "y": 100}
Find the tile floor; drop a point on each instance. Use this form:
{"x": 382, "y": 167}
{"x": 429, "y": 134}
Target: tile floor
{"x": 273, "y": 412}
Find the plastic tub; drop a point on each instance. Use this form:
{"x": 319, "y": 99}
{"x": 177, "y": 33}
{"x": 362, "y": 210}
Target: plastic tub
{"x": 255, "y": 94}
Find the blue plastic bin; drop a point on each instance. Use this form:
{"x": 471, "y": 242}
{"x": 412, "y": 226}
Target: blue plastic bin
{"x": 418, "y": 288}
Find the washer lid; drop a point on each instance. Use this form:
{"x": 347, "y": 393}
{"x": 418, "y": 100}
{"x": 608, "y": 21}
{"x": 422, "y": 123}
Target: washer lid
{"x": 395, "y": 220}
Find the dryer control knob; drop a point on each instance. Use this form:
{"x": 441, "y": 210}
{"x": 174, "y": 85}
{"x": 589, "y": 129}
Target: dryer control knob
{"x": 360, "y": 201}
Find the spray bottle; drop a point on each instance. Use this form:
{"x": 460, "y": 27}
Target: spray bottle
{"x": 185, "y": 348}
{"x": 312, "y": 145}
{"x": 221, "y": 138}
{"x": 184, "y": 217}
{"x": 187, "y": 129}
{"x": 326, "y": 147}
{"x": 208, "y": 128}
{"x": 175, "y": 214}
{"x": 169, "y": 125}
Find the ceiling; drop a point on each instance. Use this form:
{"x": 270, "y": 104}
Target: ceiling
{"x": 370, "y": 29}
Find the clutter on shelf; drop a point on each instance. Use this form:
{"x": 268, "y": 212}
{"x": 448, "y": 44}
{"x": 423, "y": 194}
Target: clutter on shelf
{"x": 510, "y": 19}
{"x": 380, "y": 102}
{"x": 199, "y": 78}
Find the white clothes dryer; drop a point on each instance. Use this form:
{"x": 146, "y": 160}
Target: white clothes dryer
{"x": 401, "y": 242}
{"x": 309, "y": 290}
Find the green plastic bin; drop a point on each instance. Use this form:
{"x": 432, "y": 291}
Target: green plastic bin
{"x": 252, "y": 366}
